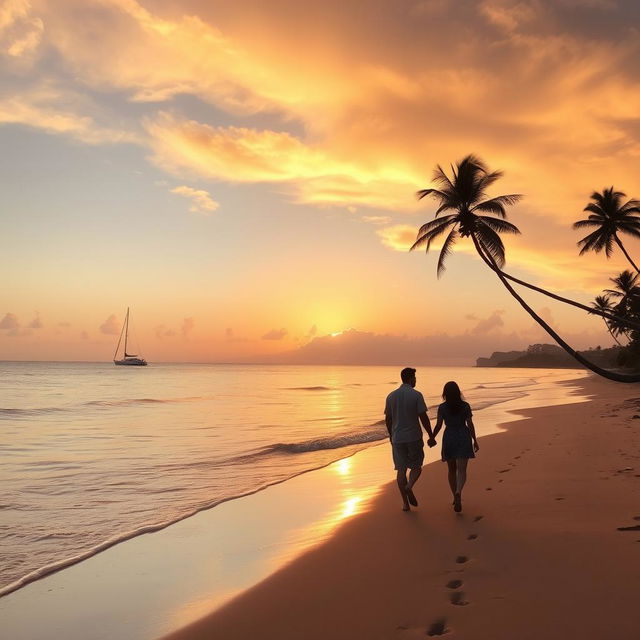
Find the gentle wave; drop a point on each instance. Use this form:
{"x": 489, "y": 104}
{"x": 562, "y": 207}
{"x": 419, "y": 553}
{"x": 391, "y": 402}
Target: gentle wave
{"x": 133, "y": 401}
{"x": 36, "y": 411}
{"x": 329, "y": 442}
{"x": 316, "y": 388}
{"x": 519, "y": 384}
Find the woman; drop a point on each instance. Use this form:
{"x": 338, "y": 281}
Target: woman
{"x": 459, "y": 441}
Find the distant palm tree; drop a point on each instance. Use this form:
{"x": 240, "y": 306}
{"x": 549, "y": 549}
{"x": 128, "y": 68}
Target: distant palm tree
{"x": 609, "y": 217}
{"x": 627, "y": 292}
{"x": 626, "y": 286}
{"x": 603, "y": 303}
{"x": 464, "y": 194}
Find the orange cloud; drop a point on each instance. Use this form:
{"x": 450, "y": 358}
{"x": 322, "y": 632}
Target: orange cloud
{"x": 275, "y": 334}
{"x": 399, "y": 237}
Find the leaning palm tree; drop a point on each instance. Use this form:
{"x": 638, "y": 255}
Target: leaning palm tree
{"x": 608, "y": 217}
{"x": 464, "y": 194}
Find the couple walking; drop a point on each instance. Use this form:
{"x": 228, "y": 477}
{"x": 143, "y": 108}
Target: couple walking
{"x": 404, "y": 411}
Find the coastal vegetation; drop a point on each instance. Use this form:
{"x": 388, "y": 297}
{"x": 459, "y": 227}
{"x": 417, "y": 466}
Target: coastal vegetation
{"x": 462, "y": 198}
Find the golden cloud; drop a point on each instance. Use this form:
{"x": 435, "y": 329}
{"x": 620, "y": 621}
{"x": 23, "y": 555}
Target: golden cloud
{"x": 41, "y": 108}
{"x": 247, "y": 155}
{"x": 201, "y": 200}
{"x": 399, "y": 237}
{"x": 20, "y": 31}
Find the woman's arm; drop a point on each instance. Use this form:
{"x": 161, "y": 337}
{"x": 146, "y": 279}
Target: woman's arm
{"x": 476, "y": 446}
{"x": 438, "y": 426}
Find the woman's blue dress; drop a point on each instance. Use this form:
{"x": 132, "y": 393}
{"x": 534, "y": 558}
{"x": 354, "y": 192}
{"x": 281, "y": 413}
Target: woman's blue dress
{"x": 456, "y": 441}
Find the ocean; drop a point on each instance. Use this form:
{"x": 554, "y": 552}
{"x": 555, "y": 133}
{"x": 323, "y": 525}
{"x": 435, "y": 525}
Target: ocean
{"x": 93, "y": 454}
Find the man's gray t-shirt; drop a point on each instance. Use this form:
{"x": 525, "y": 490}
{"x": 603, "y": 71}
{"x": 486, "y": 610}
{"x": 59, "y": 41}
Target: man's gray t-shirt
{"x": 404, "y": 405}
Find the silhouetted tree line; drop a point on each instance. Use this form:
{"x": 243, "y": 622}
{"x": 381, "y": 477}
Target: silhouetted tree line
{"x": 462, "y": 212}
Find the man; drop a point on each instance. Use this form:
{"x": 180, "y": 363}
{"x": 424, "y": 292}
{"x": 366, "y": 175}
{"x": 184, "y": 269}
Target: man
{"x": 405, "y": 409}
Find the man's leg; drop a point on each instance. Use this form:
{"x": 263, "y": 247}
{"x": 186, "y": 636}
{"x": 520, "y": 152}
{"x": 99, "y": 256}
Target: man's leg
{"x": 414, "y": 474}
{"x": 402, "y": 486}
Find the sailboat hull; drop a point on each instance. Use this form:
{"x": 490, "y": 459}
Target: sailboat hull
{"x": 131, "y": 362}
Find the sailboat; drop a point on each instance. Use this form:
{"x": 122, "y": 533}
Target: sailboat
{"x": 129, "y": 359}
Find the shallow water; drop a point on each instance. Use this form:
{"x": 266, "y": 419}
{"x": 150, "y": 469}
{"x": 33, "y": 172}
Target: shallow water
{"x": 93, "y": 454}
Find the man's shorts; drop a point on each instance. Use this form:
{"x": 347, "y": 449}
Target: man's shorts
{"x": 408, "y": 455}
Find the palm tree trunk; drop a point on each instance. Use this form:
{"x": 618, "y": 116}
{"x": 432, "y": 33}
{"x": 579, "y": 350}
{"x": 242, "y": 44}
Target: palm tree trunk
{"x": 555, "y": 296}
{"x": 627, "y": 256}
{"x": 610, "y": 375}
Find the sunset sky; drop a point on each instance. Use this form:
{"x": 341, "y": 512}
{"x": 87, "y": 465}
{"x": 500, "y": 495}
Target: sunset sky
{"x": 243, "y": 174}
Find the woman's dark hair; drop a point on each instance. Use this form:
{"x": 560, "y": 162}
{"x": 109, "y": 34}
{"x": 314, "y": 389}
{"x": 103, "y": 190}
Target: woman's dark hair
{"x": 452, "y": 396}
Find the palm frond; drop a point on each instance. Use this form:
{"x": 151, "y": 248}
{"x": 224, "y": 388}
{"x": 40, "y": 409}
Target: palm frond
{"x": 581, "y": 224}
{"x": 491, "y": 242}
{"x": 446, "y": 250}
{"x": 431, "y": 234}
{"x": 497, "y": 205}
{"x": 427, "y": 226}
{"x": 427, "y": 192}
{"x": 498, "y": 225}
{"x": 595, "y": 241}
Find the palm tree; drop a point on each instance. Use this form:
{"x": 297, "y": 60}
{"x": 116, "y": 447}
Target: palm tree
{"x": 603, "y": 303}
{"x": 609, "y": 217}
{"x": 627, "y": 292}
{"x": 464, "y": 194}
{"x": 625, "y": 286}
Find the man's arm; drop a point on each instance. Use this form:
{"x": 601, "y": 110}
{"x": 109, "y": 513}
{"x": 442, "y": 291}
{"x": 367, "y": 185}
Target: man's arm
{"x": 426, "y": 424}
{"x": 389, "y": 424}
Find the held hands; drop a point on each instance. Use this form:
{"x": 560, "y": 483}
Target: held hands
{"x": 431, "y": 442}
{"x": 476, "y": 446}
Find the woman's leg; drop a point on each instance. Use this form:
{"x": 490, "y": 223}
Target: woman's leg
{"x": 452, "y": 475}
{"x": 461, "y": 474}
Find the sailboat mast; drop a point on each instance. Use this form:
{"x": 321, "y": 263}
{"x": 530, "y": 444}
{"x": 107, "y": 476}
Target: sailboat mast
{"x": 126, "y": 332}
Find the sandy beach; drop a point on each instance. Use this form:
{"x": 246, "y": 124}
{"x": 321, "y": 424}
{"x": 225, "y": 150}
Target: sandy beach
{"x": 547, "y": 545}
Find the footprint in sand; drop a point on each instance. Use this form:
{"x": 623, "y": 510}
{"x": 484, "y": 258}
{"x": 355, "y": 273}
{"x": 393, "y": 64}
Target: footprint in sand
{"x": 635, "y": 527}
{"x": 437, "y": 628}
{"x": 478, "y": 518}
{"x": 457, "y": 598}
{"x": 472, "y": 536}
{"x": 488, "y": 489}
{"x": 559, "y": 498}
{"x": 454, "y": 584}
{"x": 504, "y": 471}
{"x": 463, "y": 559}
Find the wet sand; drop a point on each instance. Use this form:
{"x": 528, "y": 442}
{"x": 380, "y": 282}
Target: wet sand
{"x": 547, "y": 545}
